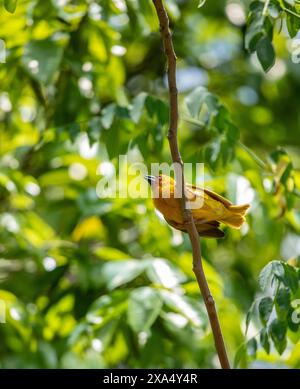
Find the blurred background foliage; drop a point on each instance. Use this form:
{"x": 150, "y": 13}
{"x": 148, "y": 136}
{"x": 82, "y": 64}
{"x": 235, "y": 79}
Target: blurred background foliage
{"x": 88, "y": 281}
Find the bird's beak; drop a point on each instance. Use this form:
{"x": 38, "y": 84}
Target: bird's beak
{"x": 150, "y": 179}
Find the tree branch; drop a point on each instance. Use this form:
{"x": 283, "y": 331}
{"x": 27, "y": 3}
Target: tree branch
{"x": 176, "y": 157}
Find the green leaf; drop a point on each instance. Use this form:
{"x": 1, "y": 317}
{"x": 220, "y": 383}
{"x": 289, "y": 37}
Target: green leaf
{"x": 259, "y": 26}
{"x": 42, "y": 59}
{"x": 185, "y": 306}
{"x": 195, "y": 102}
{"x": 156, "y": 134}
{"x": 249, "y": 315}
{"x": 264, "y": 340}
{"x": 158, "y": 109}
{"x": 107, "y": 307}
{"x": 201, "y": 3}
{"x": 256, "y": 6}
{"x": 94, "y": 129}
{"x": 107, "y": 253}
{"x": 271, "y": 270}
{"x": 137, "y": 106}
{"x": 108, "y": 114}
{"x": 274, "y": 10}
{"x": 282, "y": 302}
{"x": 290, "y": 277}
{"x": 265, "y": 53}
{"x": 10, "y": 5}
{"x": 76, "y": 333}
{"x": 115, "y": 274}
{"x": 253, "y": 34}
{"x": 265, "y": 309}
{"x": 292, "y": 22}
{"x": 240, "y": 355}
{"x": 73, "y": 130}
{"x": 142, "y": 142}
{"x": 148, "y": 12}
{"x": 277, "y": 154}
{"x": 122, "y": 112}
{"x": 286, "y": 173}
{"x": 144, "y": 306}
{"x": 277, "y": 331}
{"x": 161, "y": 271}
{"x": 252, "y": 347}
{"x": 211, "y": 115}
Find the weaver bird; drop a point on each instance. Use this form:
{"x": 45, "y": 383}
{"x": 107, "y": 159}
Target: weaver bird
{"x": 208, "y": 208}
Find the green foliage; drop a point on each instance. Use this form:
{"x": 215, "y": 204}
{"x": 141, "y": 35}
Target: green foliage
{"x": 90, "y": 281}
{"x": 265, "y": 53}
{"x": 262, "y": 20}
{"x": 265, "y": 308}
{"x": 47, "y": 54}
{"x": 143, "y": 308}
{"x": 276, "y": 311}
{"x": 207, "y": 112}
{"x": 10, "y": 5}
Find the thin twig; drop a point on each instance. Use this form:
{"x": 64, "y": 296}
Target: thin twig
{"x": 266, "y": 6}
{"x": 176, "y": 157}
{"x": 291, "y": 12}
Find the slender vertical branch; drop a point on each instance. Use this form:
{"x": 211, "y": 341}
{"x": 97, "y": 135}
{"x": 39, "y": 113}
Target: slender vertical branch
{"x": 176, "y": 157}
{"x": 266, "y": 6}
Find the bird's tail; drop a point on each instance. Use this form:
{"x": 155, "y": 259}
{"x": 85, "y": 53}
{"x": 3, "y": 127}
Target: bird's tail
{"x": 236, "y": 215}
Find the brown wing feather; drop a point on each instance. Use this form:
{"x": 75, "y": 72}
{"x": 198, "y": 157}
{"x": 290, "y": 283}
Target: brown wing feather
{"x": 175, "y": 225}
{"x": 209, "y": 229}
{"x": 211, "y": 223}
{"x": 189, "y": 194}
{"x": 213, "y": 195}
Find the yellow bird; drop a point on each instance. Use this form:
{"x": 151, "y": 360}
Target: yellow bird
{"x": 208, "y": 208}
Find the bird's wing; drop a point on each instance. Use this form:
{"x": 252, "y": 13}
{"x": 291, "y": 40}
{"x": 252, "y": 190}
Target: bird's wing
{"x": 175, "y": 225}
{"x": 210, "y": 223}
{"x": 200, "y": 224}
{"x": 215, "y": 196}
{"x": 208, "y": 229}
{"x": 189, "y": 193}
